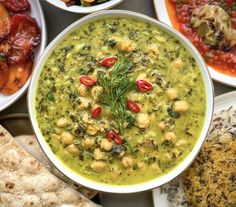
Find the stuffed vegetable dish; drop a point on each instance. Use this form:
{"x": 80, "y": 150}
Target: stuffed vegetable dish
{"x": 120, "y": 101}
{"x": 211, "y": 27}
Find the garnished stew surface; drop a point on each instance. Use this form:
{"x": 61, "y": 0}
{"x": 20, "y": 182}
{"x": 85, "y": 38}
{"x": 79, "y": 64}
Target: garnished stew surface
{"x": 120, "y": 101}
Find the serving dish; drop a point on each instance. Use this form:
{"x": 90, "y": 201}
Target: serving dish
{"x": 160, "y": 199}
{"x": 84, "y": 10}
{"x": 115, "y": 188}
{"x": 37, "y": 13}
{"x": 162, "y": 14}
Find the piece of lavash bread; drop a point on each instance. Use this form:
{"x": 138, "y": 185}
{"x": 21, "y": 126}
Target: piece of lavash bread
{"x": 31, "y": 145}
{"x": 24, "y": 182}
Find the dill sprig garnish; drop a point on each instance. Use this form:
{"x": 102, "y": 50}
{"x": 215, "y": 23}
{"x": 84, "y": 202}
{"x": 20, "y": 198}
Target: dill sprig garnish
{"x": 116, "y": 84}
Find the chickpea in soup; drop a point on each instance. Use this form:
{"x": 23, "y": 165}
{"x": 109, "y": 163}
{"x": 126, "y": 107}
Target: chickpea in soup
{"x": 120, "y": 101}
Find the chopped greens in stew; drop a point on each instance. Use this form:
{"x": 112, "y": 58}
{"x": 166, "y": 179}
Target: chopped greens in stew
{"x": 120, "y": 101}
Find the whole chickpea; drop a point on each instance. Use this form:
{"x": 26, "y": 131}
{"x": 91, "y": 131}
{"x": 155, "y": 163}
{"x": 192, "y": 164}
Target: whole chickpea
{"x": 162, "y": 125}
{"x": 127, "y": 161}
{"x": 67, "y": 138}
{"x": 62, "y": 122}
{"x": 106, "y": 145}
{"x": 172, "y": 93}
{"x": 98, "y": 154}
{"x": 125, "y": 45}
{"x": 98, "y": 166}
{"x": 178, "y": 64}
{"x": 72, "y": 149}
{"x": 170, "y": 136}
{"x": 143, "y": 120}
{"x": 88, "y": 143}
{"x": 84, "y": 103}
{"x": 181, "y": 106}
{"x": 92, "y": 130}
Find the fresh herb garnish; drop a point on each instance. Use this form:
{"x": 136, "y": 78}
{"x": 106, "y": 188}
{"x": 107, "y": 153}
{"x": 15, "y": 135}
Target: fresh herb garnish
{"x": 130, "y": 119}
{"x": 116, "y": 84}
{"x": 223, "y": 6}
{"x": 50, "y": 96}
{"x": 173, "y": 113}
{"x": 150, "y": 160}
{"x": 112, "y": 43}
{"x": 2, "y": 56}
{"x": 234, "y": 7}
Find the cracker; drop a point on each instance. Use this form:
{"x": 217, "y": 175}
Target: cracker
{"x": 26, "y": 182}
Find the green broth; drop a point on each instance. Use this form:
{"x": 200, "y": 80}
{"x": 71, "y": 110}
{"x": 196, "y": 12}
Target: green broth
{"x": 156, "y": 139}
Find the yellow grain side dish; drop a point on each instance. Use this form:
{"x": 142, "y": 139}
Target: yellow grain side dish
{"x": 211, "y": 179}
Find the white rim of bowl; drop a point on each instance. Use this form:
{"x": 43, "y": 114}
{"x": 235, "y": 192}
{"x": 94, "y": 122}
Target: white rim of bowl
{"x": 140, "y": 186}
{"x": 16, "y": 96}
{"x": 84, "y": 10}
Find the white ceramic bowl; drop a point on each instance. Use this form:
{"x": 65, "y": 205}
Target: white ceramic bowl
{"x": 84, "y": 10}
{"x": 37, "y": 13}
{"x": 108, "y": 187}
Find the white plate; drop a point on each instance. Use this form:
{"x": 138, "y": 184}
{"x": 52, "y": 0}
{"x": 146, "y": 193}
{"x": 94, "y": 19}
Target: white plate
{"x": 37, "y": 13}
{"x": 84, "y": 10}
{"x": 162, "y": 15}
{"x": 225, "y": 100}
{"x": 222, "y": 102}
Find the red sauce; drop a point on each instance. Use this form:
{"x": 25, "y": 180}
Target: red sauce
{"x": 179, "y": 12}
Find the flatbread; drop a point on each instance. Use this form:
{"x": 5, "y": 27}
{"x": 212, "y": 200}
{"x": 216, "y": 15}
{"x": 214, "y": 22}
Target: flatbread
{"x": 24, "y": 182}
{"x": 31, "y": 145}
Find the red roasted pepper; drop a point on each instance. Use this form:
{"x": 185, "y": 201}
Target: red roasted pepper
{"x": 87, "y": 81}
{"x": 133, "y": 106}
{"x": 144, "y": 85}
{"x": 113, "y": 135}
{"x": 108, "y": 61}
{"x": 96, "y": 112}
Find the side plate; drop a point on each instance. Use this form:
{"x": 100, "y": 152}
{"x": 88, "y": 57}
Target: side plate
{"x": 162, "y": 15}
{"x": 37, "y": 13}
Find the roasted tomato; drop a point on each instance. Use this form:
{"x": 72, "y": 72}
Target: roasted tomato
{"x": 3, "y": 74}
{"x": 17, "y": 6}
{"x": 5, "y": 22}
{"x": 24, "y": 36}
{"x": 18, "y": 75}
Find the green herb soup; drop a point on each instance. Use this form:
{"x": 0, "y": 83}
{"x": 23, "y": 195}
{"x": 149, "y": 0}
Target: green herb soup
{"x": 120, "y": 101}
